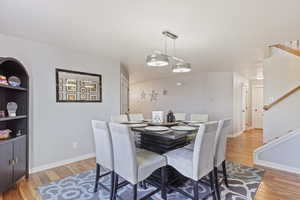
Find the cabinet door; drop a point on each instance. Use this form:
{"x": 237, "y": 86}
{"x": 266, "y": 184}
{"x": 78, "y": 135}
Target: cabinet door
{"x": 6, "y": 169}
{"x": 20, "y": 158}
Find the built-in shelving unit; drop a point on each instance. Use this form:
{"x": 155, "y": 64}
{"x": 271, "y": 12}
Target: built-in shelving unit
{"x": 14, "y": 154}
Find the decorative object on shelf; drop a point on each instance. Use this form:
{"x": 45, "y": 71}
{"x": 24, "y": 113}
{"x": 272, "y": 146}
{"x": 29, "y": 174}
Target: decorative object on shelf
{"x": 14, "y": 81}
{"x": 5, "y": 134}
{"x": 74, "y": 86}
{"x": 3, "y": 80}
{"x": 162, "y": 59}
{"x": 12, "y": 109}
{"x": 2, "y": 113}
{"x": 19, "y": 133}
{"x": 171, "y": 116}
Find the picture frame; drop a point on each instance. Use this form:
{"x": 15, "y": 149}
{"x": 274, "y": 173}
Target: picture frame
{"x": 78, "y": 87}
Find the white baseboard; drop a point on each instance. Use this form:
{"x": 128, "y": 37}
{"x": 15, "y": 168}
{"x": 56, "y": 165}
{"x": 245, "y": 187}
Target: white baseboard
{"x": 60, "y": 163}
{"x": 235, "y": 134}
{"x": 277, "y": 166}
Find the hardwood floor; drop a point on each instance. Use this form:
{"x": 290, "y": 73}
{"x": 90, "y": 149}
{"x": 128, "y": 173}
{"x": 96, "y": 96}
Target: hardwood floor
{"x": 276, "y": 185}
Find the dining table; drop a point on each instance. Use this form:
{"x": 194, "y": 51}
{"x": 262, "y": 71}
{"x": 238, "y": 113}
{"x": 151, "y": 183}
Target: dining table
{"x": 176, "y": 136}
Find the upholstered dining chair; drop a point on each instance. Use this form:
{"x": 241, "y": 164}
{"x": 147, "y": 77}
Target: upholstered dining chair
{"x": 180, "y": 116}
{"x": 119, "y": 118}
{"x": 199, "y": 117}
{"x": 197, "y": 163}
{"x": 136, "y": 117}
{"x": 104, "y": 152}
{"x": 220, "y": 152}
{"x": 134, "y": 166}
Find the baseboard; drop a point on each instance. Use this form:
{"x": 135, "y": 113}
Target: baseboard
{"x": 235, "y": 134}
{"x": 272, "y": 165}
{"x": 60, "y": 163}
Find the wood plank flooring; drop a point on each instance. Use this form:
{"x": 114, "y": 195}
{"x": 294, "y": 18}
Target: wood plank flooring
{"x": 276, "y": 185}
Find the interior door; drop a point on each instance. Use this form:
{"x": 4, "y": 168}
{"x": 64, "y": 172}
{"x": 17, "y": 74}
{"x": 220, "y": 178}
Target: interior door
{"x": 257, "y": 106}
{"x": 19, "y": 158}
{"x": 6, "y": 155}
{"x": 244, "y": 107}
{"x": 124, "y": 94}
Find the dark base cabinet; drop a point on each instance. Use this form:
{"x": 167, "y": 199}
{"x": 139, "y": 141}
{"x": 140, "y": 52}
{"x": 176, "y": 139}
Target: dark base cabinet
{"x": 12, "y": 162}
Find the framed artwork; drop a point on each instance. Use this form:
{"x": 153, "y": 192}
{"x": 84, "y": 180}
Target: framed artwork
{"x": 74, "y": 86}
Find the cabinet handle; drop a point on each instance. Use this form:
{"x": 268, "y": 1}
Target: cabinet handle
{"x": 11, "y": 162}
{"x": 16, "y": 160}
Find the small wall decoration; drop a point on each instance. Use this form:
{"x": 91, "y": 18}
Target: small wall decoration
{"x": 73, "y": 86}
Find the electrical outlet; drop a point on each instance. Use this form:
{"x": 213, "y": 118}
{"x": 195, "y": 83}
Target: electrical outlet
{"x": 75, "y": 145}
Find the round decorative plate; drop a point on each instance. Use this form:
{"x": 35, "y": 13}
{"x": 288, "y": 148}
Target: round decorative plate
{"x": 183, "y": 128}
{"x": 192, "y": 122}
{"x": 132, "y": 122}
{"x": 156, "y": 128}
{"x": 14, "y": 81}
{"x": 195, "y": 124}
{"x": 138, "y": 125}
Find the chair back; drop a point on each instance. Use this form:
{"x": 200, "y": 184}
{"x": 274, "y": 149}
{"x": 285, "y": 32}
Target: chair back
{"x": 199, "y": 117}
{"x": 180, "y": 116}
{"x": 136, "y": 117}
{"x": 125, "y": 163}
{"x": 221, "y": 141}
{"x": 103, "y": 144}
{"x": 119, "y": 118}
{"x": 157, "y": 116}
{"x": 203, "y": 154}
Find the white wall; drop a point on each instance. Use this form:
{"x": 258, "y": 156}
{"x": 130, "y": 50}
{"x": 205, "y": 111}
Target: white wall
{"x": 210, "y": 93}
{"x": 238, "y": 82}
{"x": 55, "y": 126}
{"x": 282, "y": 73}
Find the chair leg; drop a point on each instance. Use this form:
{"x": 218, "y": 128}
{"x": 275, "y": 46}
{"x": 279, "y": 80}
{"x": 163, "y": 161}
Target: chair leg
{"x": 225, "y": 173}
{"x": 135, "y": 192}
{"x": 212, "y": 185}
{"x": 112, "y": 186}
{"x": 97, "y": 177}
{"x": 217, "y": 183}
{"x": 116, "y": 181}
{"x": 196, "y": 190}
{"x": 163, "y": 183}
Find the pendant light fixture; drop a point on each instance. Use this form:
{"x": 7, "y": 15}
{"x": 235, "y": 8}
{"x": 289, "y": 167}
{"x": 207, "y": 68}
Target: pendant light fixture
{"x": 181, "y": 67}
{"x": 158, "y": 59}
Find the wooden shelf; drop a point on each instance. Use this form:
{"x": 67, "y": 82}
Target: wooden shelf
{"x": 11, "y": 139}
{"x": 12, "y": 87}
{"x": 13, "y": 118}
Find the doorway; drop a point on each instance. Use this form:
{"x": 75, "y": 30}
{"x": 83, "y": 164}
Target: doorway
{"x": 245, "y": 107}
{"x": 257, "y": 106}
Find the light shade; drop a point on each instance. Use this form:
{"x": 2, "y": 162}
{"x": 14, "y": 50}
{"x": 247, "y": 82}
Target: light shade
{"x": 181, "y": 67}
{"x": 157, "y": 60}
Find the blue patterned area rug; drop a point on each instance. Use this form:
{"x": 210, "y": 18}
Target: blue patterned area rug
{"x": 243, "y": 181}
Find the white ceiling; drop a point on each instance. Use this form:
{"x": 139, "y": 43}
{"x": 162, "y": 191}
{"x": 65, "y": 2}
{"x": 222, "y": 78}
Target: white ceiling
{"x": 214, "y": 35}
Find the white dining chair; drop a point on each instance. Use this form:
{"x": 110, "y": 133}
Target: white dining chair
{"x": 220, "y": 152}
{"x": 199, "y": 117}
{"x": 119, "y": 118}
{"x": 134, "y": 166}
{"x": 136, "y": 117}
{"x": 197, "y": 163}
{"x": 180, "y": 116}
{"x": 104, "y": 152}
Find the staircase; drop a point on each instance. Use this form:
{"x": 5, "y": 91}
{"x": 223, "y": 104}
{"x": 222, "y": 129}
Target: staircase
{"x": 281, "y": 153}
{"x": 292, "y": 47}
{"x": 282, "y": 122}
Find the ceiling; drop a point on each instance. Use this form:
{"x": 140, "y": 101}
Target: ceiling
{"x": 214, "y": 35}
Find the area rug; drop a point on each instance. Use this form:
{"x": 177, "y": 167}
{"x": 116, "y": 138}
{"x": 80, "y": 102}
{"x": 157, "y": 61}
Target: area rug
{"x": 243, "y": 181}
